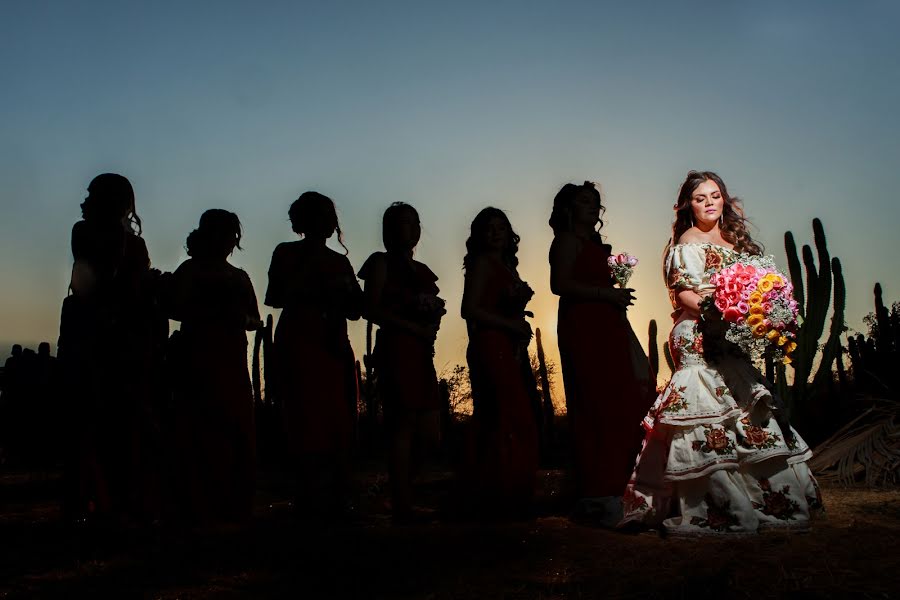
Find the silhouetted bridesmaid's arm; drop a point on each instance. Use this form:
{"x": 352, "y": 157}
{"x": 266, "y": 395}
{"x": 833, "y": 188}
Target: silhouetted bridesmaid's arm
{"x": 351, "y": 297}
{"x": 563, "y": 254}
{"x": 374, "y": 310}
{"x": 253, "y": 322}
{"x": 474, "y": 310}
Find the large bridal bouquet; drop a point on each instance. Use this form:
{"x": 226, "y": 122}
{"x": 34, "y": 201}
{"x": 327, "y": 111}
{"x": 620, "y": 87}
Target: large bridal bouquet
{"x": 756, "y": 302}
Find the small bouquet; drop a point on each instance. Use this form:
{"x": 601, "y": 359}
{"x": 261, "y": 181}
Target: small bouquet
{"x": 622, "y": 266}
{"x": 516, "y": 297}
{"x": 429, "y": 309}
{"x": 756, "y": 302}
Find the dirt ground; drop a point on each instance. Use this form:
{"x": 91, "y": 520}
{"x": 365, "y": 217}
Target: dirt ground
{"x": 853, "y": 550}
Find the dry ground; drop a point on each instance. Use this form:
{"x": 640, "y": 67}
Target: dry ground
{"x": 854, "y": 550}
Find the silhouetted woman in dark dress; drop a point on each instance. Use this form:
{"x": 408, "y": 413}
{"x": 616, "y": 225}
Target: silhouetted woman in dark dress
{"x": 606, "y": 397}
{"x": 316, "y": 378}
{"x": 504, "y": 428}
{"x": 214, "y": 428}
{"x": 401, "y": 298}
{"x": 107, "y": 340}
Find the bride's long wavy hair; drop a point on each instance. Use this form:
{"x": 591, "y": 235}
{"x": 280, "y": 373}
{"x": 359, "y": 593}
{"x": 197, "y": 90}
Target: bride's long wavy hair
{"x": 733, "y": 225}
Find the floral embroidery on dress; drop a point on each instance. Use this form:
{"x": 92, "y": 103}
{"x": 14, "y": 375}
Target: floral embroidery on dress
{"x": 717, "y": 518}
{"x": 679, "y": 280}
{"x": 776, "y": 503}
{"x": 721, "y": 391}
{"x": 717, "y": 441}
{"x": 714, "y": 259}
{"x": 675, "y": 400}
{"x": 757, "y": 437}
{"x": 632, "y": 502}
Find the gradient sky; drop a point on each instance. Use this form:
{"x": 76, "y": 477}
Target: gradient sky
{"x": 449, "y": 106}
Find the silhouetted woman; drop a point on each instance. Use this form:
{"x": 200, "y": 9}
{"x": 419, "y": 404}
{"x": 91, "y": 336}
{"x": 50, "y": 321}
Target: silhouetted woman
{"x": 318, "y": 291}
{"x": 214, "y": 429}
{"x": 401, "y": 298}
{"x": 107, "y": 340}
{"x": 605, "y": 397}
{"x": 503, "y": 422}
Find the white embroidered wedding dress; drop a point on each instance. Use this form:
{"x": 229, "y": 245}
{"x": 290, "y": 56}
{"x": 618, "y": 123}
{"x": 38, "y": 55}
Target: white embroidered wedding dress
{"x": 717, "y": 457}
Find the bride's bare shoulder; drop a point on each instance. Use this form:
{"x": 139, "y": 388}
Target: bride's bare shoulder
{"x": 691, "y": 236}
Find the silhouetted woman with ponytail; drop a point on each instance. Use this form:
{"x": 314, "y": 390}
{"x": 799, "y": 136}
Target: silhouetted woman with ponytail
{"x": 214, "y": 428}
{"x": 315, "y": 368}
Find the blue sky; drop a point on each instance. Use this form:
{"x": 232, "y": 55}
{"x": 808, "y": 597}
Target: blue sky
{"x": 450, "y": 107}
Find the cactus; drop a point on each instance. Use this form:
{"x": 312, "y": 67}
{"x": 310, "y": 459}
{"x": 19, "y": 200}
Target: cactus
{"x": 814, "y": 304}
{"x": 876, "y": 358}
{"x": 652, "y": 349}
{"x": 547, "y": 434}
{"x": 668, "y": 354}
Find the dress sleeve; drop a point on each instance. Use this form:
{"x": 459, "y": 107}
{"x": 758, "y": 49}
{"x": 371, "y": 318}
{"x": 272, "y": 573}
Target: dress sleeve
{"x": 685, "y": 267}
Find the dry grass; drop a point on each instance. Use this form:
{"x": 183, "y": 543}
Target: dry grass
{"x": 853, "y": 550}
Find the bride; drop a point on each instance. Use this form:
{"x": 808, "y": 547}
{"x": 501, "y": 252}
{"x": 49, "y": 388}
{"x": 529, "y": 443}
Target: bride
{"x": 718, "y": 455}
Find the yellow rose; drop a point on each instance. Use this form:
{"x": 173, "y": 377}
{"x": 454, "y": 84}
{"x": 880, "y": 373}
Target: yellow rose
{"x": 754, "y": 319}
{"x": 782, "y": 340}
{"x": 790, "y": 347}
{"x": 773, "y": 335}
{"x": 786, "y": 360}
{"x": 755, "y": 298}
{"x": 759, "y": 330}
{"x": 756, "y": 309}
{"x": 765, "y": 286}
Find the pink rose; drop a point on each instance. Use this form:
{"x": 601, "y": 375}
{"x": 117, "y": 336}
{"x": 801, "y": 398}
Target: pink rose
{"x": 743, "y": 307}
{"x": 622, "y": 259}
{"x": 632, "y": 261}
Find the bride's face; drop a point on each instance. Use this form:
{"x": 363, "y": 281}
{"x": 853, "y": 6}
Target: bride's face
{"x": 707, "y": 203}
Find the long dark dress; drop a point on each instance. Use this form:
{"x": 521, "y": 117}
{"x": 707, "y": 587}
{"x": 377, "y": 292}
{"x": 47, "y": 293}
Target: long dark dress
{"x": 604, "y": 399}
{"x": 505, "y": 435}
{"x": 315, "y": 365}
{"x": 108, "y": 331}
{"x": 214, "y": 425}
{"x": 404, "y": 363}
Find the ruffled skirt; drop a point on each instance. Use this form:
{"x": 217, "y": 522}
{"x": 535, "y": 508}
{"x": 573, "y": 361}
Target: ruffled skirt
{"x": 717, "y": 456}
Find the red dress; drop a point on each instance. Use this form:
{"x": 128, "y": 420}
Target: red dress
{"x": 214, "y": 424}
{"x": 404, "y": 363}
{"x": 504, "y": 457}
{"x": 604, "y": 399}
{"x": 316, "y": 376}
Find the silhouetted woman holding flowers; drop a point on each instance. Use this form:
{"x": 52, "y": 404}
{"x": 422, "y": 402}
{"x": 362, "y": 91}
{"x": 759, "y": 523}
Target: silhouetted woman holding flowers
{"x": 607, "y": 390}
{"x": 214, "y": 427}
{"x": 107, "y": 343}
{"x": 401, "y": 298}
{"x": 719, "y": 456}
{"x": 505, "y": 435}
{"x": 316, "y": 384}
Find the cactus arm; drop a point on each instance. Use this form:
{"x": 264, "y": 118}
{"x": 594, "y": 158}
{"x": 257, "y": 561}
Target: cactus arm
{"x": 652, "y": 348}
{"x": 832, "y": 346}
{"x": 790, "y": 248}
{"x": 668, "y": 354}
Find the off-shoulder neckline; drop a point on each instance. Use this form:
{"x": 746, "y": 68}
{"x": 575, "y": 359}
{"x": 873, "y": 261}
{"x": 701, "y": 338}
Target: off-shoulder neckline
{"x": 705, "y": 244}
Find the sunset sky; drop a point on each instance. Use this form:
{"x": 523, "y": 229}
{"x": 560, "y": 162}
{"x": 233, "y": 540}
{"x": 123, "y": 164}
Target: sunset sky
{"x": 450, "y": 106}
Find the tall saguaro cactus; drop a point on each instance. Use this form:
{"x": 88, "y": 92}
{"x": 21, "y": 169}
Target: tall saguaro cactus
{"x": 815, "y": 301}
{"x": 652, "y": 349}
